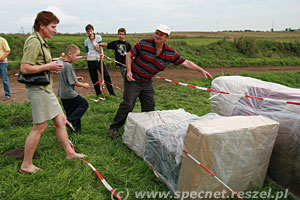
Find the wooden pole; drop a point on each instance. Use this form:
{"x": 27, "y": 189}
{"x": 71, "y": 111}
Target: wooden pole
{"x": 102, "y": 72}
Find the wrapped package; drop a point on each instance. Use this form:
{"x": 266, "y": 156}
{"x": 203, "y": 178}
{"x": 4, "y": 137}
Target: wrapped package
{"x": 236, "y": 149}
{"x": 164, "y": 145}
{"x": 137, "y": 124}
{"x": 285, "y": 160}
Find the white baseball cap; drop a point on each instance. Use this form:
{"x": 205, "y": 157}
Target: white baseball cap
{"x": 163, "y": 28}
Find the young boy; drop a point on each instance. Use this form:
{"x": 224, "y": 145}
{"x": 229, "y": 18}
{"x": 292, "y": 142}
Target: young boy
{"x": 92, "y": 50}
{"x": 74, "y": 105}
{"x": 121, "y": 48}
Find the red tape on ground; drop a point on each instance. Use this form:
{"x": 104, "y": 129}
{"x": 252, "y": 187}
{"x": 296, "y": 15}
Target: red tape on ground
{"x": 108, "y": 187}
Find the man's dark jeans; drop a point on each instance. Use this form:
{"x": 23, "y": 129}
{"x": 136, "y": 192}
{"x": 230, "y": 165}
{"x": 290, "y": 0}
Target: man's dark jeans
{"x": 132, "y": 91}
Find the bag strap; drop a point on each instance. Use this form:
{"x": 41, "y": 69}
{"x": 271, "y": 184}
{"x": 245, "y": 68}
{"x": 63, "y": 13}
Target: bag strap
{"x": 42, "y": 51}
{"x": 41, "y": 48}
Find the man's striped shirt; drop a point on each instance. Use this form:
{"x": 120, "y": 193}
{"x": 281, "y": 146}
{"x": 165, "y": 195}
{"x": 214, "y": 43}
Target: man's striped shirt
{"x": 146, "y": 64}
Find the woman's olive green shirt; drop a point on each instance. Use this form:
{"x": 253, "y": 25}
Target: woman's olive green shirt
{"x": 33, "y": 54}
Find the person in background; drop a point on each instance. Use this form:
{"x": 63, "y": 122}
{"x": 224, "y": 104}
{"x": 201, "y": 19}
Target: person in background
{"x": 45, "y": 106}
{"x": 4, "y": 52}
{"x": 121, "y": 48}
{"x": 92, "y": 50}
{"x": 74, "y": 105}
{"x": 144, "y": 61}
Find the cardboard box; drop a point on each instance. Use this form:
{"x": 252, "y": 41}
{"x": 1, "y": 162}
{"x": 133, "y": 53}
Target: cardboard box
{"x": 236, "y": 149}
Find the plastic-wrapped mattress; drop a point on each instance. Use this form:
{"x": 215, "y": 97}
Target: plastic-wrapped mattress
{"x": 285, "y": 161}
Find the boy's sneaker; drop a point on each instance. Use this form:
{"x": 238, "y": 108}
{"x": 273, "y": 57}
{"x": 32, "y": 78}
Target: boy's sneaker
{"x": 114, "y": 133}
{"x": 6, "y": 98}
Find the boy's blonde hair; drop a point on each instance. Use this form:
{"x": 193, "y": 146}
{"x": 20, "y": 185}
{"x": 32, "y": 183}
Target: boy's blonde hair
{"x": 72, "y": 48}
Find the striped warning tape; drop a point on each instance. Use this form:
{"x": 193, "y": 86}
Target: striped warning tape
{"x": 211, "y": 90}
{"x": 221, "y": 92}
{"x": 104, "y": 182}
{"x": 115, "y": 86}
{"x": 10, "y": 61}
{"x": 100, "y": 98}
{"x": 199, "y": 163}
{"x": 114, "y": 60}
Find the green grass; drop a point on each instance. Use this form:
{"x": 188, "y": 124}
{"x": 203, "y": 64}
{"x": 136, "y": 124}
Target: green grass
{"x": 122, "y": 169}
{"x": 205, "y": 49}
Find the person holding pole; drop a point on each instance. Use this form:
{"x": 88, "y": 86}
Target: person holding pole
{"x": 95, "y": 60}
{"x": 144, "y": 61}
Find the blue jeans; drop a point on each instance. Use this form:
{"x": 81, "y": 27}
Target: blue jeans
{"x": 5, "y": 79}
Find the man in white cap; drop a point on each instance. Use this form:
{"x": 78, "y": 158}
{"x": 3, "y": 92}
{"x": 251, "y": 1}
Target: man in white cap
{"x": 143, "y": 61}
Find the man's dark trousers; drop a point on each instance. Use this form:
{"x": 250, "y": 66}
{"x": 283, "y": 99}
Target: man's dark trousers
{"x": 132, "y": 91}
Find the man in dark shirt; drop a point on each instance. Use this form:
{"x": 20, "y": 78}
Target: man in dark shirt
{"x": 121, "y": 48}
{"x": 145, "y": 59}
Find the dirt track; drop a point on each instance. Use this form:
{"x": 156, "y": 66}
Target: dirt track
{"x": 19, "y": 92}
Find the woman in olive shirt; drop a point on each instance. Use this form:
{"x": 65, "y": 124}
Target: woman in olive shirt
{"x": 45, "y": 106}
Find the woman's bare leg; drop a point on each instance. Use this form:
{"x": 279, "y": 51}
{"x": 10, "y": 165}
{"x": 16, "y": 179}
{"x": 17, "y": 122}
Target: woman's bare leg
{"x": 31, "y": 145}
{"x": 62, "y": 136}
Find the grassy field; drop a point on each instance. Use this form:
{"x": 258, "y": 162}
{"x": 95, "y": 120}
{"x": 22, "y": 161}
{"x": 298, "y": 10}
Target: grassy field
{"x": 127, "y": 173}
{"x": 207, "y": 49}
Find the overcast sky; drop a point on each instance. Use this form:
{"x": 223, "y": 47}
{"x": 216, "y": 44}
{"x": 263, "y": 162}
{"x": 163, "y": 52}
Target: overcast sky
{"x": 139, "y": 16}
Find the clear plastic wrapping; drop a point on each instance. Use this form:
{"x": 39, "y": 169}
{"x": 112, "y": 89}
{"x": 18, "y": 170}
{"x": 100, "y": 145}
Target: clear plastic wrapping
{"x": 235, "y": 149}
{"x": 285, "y": 160}
{"x": 137, "y": 124}
{"x": 238, "y": 152}
{"x": 164, "y": 145}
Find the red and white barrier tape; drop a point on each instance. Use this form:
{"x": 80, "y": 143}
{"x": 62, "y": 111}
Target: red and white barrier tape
{"x": 62, "y": 56}
{"x": 114, "y": 60}
{"x": 108, "y": 83}
{"x": 211, "y": 90}
{"x": 221, "y": 92}
{"x": 100, "y": 98}
{"x": 10, "y": 61}
{"x": 198, "y": 163}
{"x": 104, "y": 182}
{"x": 96, "y": 100}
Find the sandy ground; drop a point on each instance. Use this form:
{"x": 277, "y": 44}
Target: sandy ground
{"x": 19, "y": 92}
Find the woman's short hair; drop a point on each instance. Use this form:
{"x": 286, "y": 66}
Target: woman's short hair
{"x": 44, "y": 18}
